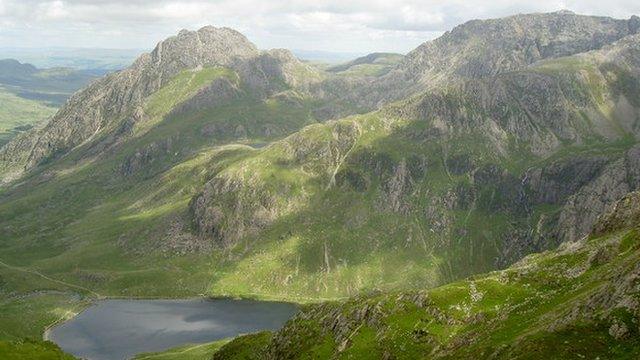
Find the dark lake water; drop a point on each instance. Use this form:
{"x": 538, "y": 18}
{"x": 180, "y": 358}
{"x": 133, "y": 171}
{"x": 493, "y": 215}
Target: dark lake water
{"x": 119, "y": 329}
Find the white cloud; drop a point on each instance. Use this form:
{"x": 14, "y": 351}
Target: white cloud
{"x": 353, "y": 26}
{"x": 51, "y": 10}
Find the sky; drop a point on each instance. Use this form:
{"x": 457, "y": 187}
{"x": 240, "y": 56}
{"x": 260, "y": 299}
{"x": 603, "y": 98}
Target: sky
{"x": 353, "y": 26}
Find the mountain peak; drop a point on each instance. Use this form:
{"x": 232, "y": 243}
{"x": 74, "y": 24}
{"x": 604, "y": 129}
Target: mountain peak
{"x": 477, "y": 47}
{"x": 207, "y": 46}
{"x": 11, "y": 68}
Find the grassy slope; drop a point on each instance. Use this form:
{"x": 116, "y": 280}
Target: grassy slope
{"x": 18, "y": 114}
{"x": 49, "y": 86}
{"x": 31, "y": 99}
{"x": 91, "y": 225}
{"x": 31, "y": 350}
{"x": 346, "y": 244}
{"x": 186, "y": 352}
{"x": 288, "y": 260}
{"x": 380, "y": 64}
{"x": 335, "y": 241}
{"x": 524, "y": 312}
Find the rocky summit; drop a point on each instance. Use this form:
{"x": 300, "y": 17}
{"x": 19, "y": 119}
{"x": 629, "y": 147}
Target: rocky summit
{"x": 475, "y": 198}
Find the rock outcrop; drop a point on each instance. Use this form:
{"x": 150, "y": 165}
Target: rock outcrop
{"x": 582, "y": 209}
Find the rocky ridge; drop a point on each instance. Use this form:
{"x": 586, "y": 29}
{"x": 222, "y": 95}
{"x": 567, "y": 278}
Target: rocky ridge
{"x": 482, "y": 48}
{"x": 114, "y": 101}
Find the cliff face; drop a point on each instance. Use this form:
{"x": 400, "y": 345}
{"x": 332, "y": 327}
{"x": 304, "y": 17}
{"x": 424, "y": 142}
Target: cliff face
{"x": 599, "y": 195}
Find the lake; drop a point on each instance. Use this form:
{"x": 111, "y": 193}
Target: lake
{"x": 119, "y": 329}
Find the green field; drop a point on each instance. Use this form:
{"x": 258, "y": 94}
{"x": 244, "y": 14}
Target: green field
{"x": 18, "y": 114}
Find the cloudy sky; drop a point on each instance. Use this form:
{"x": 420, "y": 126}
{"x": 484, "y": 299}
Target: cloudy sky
{"x": 355, "y": 26}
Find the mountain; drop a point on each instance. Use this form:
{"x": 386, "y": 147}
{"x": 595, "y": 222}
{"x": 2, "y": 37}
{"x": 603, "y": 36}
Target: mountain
{"x": 98, "y": 61}
{"x": 481, "y": 48}
{"x": 212, "y": 167}
{"x": 13, "y": 69}
{"x": 94, "y": 173}
{"x": 51, "y": 86}
{"x": 459, "y": 180}
{"x": 374, "y": 64}
{"x": 579, "y": 301}
{"x": 29, "y": 96}
{"x": 114, "y": 105}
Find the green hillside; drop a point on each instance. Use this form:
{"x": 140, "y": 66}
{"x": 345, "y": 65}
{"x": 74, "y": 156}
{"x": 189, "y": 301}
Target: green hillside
{"x": 32, "y": 350}
{"x": 364, "y": 204}
{"x": 18, "y": 114}
{"x": 187, "y": 352}
{"x": 579, "y": 301}
{"x": 123, "y": 198}
{"x": 51, "y": 86}
{"x": 375, "y": 64}
{"x": 212, "y": 168}
{"x": 30, "y": 96}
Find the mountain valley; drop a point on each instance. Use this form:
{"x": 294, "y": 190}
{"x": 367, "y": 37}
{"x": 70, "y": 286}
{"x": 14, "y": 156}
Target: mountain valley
{"x": 476, "y": 197}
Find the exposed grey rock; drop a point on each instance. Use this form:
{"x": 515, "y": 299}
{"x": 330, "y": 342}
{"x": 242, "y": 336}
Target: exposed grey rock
{"x": 395, "y": 189}
{"x": 597, "y": 197}
{"x": 482, "y": 48}
{"x": 554, "y": 183}
{"x": 618, "y": 330}
{"x": 624, "y": 214}
{"x": 148, "y": 154}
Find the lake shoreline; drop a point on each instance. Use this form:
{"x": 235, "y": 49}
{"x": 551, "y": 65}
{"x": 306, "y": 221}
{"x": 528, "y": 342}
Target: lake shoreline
{"x": 255, "y": 297}
{"x": 112, "y": 328}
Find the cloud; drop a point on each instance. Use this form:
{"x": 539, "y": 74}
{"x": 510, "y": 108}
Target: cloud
{"x": 357, "y": 26}
{"x": 51, "y": 10}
